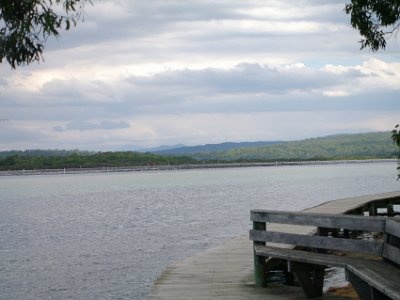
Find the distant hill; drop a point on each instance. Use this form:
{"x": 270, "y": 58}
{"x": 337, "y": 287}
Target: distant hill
{"x": 163, "y": 148}
{"x": 343, "y": 146}
{"x": 21, "y": 160}
{"x": 208, "y": 148}
{"x": 336, "y": 147}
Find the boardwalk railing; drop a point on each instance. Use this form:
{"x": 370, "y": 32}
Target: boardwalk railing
{"x": 374, "y": 272}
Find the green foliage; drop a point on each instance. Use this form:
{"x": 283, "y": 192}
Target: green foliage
{"x": 207, "y": 148}
{"x": 396, "y": 140}
{"x": 371, "y": 17}
{"x": 27, "y": 24}
{"x": 349, "y": 146}
{"x": 21, "y": 160}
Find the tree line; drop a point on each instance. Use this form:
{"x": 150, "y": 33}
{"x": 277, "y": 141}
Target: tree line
{"x": 88, "y": 160}
{"x": 347, "y": 146}
{"x": 339, "y": 147}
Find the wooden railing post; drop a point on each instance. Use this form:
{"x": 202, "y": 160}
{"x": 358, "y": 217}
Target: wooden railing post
{"x": 390, "y": 210}
{"x": 259, "y": 261}
{"x": 391, "y": 247}
{"x": 372, "y": 209}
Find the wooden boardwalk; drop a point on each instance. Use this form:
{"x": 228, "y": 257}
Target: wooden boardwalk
{"x": 226, "y": 272}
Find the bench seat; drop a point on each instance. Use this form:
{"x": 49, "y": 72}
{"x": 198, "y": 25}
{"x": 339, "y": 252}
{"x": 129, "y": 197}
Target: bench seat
{"x": 371, "y": 264}
{"x": 382, "y": 276}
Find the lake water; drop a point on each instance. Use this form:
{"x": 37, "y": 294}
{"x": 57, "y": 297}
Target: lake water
{"x": 109, "y": 236}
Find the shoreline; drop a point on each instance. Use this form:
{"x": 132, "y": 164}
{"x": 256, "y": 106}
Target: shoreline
{"x": 227, "y": 271}
{"x": 69, "y": 171}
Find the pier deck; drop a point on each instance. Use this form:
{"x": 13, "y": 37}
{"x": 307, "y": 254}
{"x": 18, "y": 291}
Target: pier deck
{"x": 226, "y": 272}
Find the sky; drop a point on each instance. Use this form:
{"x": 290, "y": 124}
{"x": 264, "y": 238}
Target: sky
{"x": 139, "y": 74}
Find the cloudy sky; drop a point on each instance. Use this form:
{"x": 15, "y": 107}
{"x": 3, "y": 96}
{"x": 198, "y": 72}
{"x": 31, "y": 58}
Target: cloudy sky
{"x": 141, "y": 73}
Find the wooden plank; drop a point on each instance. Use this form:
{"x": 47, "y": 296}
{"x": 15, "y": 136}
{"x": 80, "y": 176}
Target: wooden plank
{"x": 320, "y": 242}
{"x": 303, "y": 256}
{"x": 391, "y": 253}
{"x": 354, "y": 204}
{"x": 393, "y": 227}
{"x": 310, "y": 289}
{"x": 380, "y": 275}
{"x": 374, "y": 224}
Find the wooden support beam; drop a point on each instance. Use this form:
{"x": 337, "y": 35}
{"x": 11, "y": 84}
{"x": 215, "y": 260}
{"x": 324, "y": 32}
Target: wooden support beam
{"x": 390, "y": 210}
{"x": 259, "y": 261}
{"x": 306, "y": 284}
{"x": 372, "y": 209}
{"x": 360, "y": 286}
{"x": 377, "y": 295}
{"x": 319, "y": 274}
{"x": 309, "y": 276}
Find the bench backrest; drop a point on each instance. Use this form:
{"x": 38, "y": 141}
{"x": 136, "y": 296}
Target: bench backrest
{"x": 391, "y": 247}
{"x": 327, "y": 223}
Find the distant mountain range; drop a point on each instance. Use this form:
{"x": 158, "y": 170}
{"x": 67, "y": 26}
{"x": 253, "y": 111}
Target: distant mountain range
{"x": 208, "y": 148}
{"x": 341, "y": 146}
{"x": 335, "y": 147}
{"x": 163, "y": 148}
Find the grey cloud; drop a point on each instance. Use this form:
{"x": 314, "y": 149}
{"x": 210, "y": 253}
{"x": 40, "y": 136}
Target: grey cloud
{"x": 10, "y": 133}
{"x": 246, "y": 87}
{"x": 81, "y": 125}
{"x": 151, "y": 18}
{"x": 85, "y": 125}
{"x": 140, "y": 19}
{"x": 58, "y": 128}
{"x": 62, "y": 88}
{"x": 244, "y": 78}
{"x": 3, "y": 82}
{"x": 113, "y": 125}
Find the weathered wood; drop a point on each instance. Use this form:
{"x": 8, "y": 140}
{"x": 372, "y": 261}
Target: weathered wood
{"x": 391, "y": 248}
{"x": 390, "y": 210}
{"x": 259, "y": 261}
{"x": 294, "y": 266}
{"x": 375, "y": 224}
{"x": 320, "y": 242}
{"x": 318, "y": 279}
{"x": 380, "y": 275}
{"x": 372, "y": 279}
{"x": 393, "y": 227}
{"x": 376, "y": 294}
{"x": 361, "y": 287}
{"x": 303, "y": 256}
{"x": 316, "y": 273}
{"x": 391, "y": 253}
{"x": 307, "y": 284}
{"x": 372, "y": 209}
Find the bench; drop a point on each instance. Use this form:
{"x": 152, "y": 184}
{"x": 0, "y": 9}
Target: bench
{"x": 371, "y": 265}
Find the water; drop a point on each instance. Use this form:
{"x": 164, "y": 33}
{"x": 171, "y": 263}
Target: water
{"x": 109, "y": 236}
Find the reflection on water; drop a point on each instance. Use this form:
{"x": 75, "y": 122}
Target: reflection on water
{"x": 108, "y": 236}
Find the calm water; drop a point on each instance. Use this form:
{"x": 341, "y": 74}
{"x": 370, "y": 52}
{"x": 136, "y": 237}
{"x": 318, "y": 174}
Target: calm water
{"x": 109, "y": 236}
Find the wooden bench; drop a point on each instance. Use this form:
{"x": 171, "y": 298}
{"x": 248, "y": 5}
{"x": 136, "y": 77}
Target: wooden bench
{"x": 371, "y": 265}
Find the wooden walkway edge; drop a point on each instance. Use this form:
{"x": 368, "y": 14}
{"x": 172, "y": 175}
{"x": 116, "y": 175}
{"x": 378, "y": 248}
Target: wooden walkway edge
{"x": 226, "y": 272}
